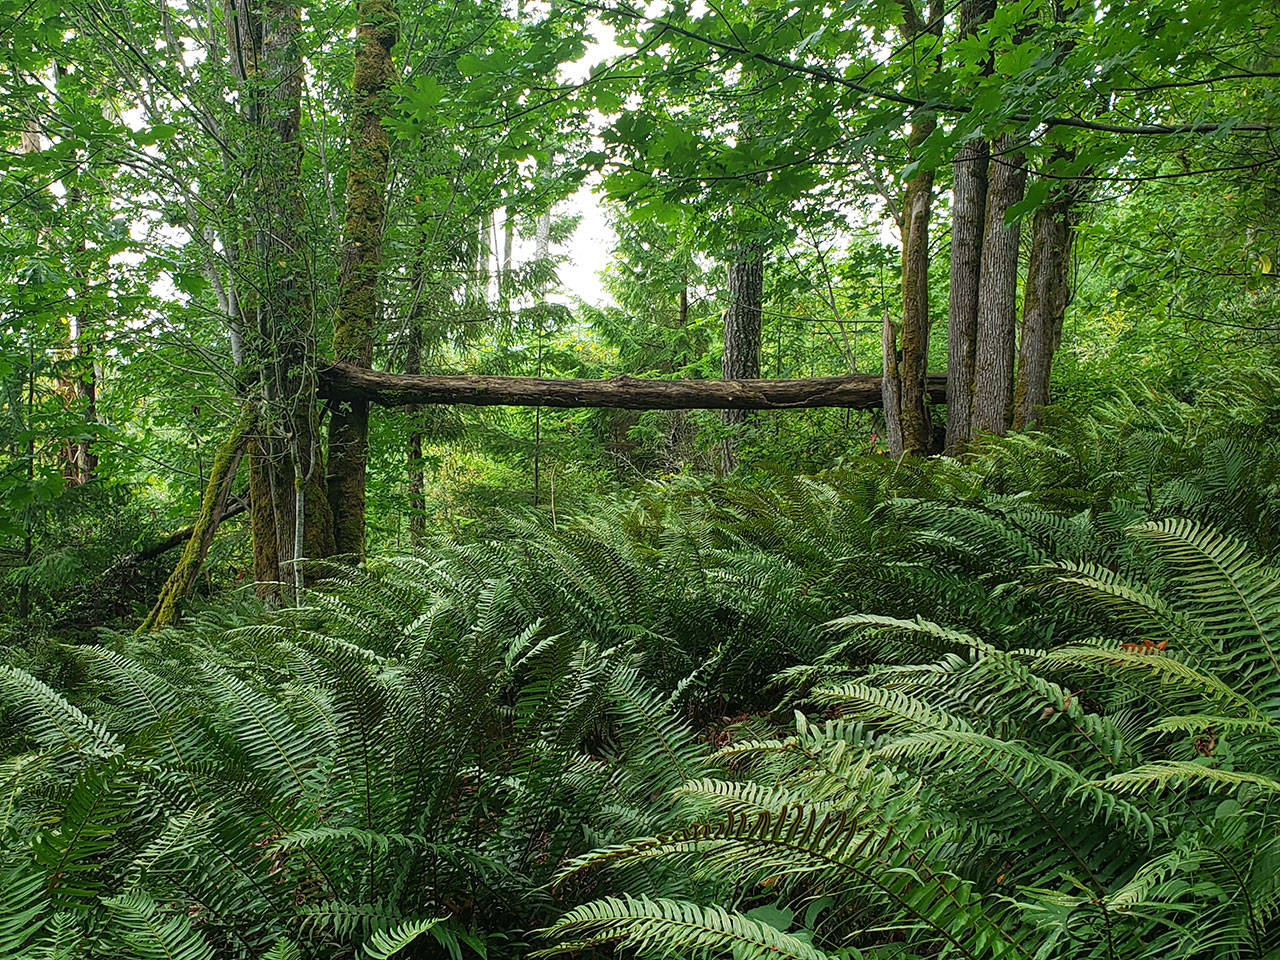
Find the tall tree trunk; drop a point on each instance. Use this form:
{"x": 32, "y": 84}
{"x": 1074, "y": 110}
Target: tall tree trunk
{"x": 81, "y": 387}
{"x": 969, "y": 191}
{"x": 998, "y": 293}
{"x": 742, "y": 331}
{"x": 1047, "y": 293}
{"x": 417, "y": 474}
{"x": 286, "y": 460}
{"x": 913, "y": 337}
{"x": 917, "y": 208}
{"x": 361, "y": 264}
{"x": 84, "y": 380}
{"x": 508, "y": 243}
{"x": 968, "y": 211}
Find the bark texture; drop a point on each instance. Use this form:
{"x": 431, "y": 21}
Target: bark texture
{"x": 863, "y": 392}
{"x": 176, "y": 589}
{"x": 417, "y": 475}
{"x": 1046, "y": 295}
{"x": 891, "y": 387}
{"x": 913, "y": 338}
{"x": 357, "y": 306}
{"x": 967, "y": 222}
{"x": 742, "y": 330}
{"x": 968, "y": 213}
{"x": 998, "y": 293}
{"x": 917, "y": 209}
{"x": 290, "y": 513}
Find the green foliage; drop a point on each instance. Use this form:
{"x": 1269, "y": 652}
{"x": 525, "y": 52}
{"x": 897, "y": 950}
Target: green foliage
{"x": 1074, "y": 759}
{"x": 1037, "y": 717}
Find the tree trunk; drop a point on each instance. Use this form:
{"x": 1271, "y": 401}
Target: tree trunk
{"x": 417, "y": 475}
{"x": 917, "y": 208}
{"x": 998, "y": 293}
{"x": 860, "y": 392}
{"x": 286, "y": 461}
{"x": 742, "y": 332}
{"x": 84, "y": 382}
{"x": 968, "y": 211}
{"x": 891, "y": 387}
{"x": 913, "y": 338}
{"x": 1047, "y": 293}
{"x": 508, "y": 242}
{"x": 361, "y": 264}
{"x": 213, "y": 505}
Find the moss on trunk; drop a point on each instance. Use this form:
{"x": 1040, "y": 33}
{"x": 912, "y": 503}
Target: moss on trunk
{"x": 177, "y": 587}
{"x": 361, "y": 262}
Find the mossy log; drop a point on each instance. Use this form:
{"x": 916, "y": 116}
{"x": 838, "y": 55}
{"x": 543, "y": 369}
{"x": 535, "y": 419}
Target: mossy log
{"x": 344, "y": 381}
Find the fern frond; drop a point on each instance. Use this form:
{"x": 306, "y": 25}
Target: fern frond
{"x": 1159, "y": 775}
{"x": 384, "y": 944}
{"x": 52, "y": 720}
{"x": 670, "y": 927}
{"x": 142, "y": 932}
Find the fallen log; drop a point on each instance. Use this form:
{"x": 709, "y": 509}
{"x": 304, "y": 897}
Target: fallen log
{"x": 343, "y": 381}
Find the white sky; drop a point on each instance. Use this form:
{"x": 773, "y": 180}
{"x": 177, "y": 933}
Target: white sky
{"x": 588, "y": 250}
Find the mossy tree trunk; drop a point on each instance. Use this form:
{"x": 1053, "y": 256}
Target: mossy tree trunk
{"x": 361, "y": 264}
{"x": 289, "y": 510}
{"x": 222, "y": 474}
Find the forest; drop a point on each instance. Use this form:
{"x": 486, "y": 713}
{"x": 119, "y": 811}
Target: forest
{"x": 687, "y": 479}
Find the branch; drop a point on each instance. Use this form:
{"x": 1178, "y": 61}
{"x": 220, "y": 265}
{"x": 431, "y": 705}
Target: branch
{"x": 826, "y": 76}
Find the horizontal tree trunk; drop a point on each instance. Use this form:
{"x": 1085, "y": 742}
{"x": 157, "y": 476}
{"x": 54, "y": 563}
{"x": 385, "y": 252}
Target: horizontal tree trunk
{"x": 343, "y": 381}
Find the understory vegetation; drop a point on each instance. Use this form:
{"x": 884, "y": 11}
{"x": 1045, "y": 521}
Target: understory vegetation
{"x": 1023, "y": 705}
{"x": 617, "y": 480}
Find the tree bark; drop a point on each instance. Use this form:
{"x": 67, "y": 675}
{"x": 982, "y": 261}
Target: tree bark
{"x": 286, "y": 460}
{"x": 84, "y": 461}
{"x": 1047, "y": 293}
{"x": 998, "y": 293}
{"x": 361, "y": 264}
{"x": 417, "y": 475}
{"x": 968, "y": 212}
{"x": 743, "y": 324}
{"x": 862, "y": 392}
{"x": 176, "y": 589}
{"x": 917, "y": 208}
{"x": 913, "y": 337}
{"x": 891, "y": 387}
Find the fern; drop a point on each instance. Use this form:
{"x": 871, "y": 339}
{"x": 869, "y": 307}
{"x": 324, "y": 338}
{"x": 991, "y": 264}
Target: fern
{"x": 663, "y": 927}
